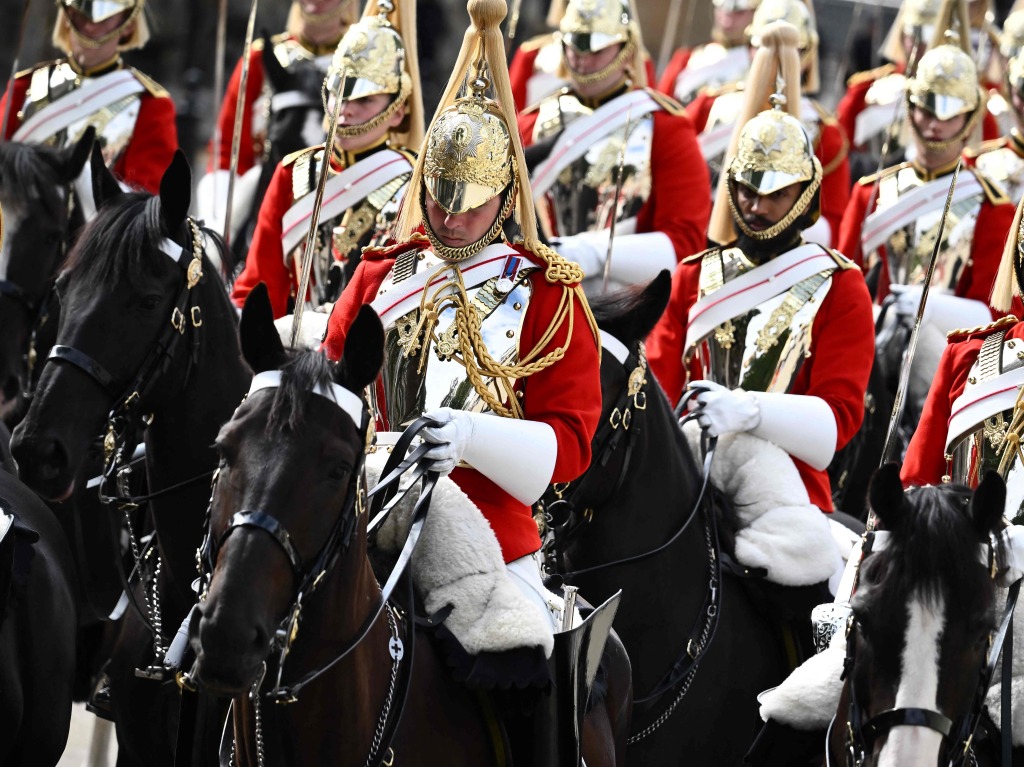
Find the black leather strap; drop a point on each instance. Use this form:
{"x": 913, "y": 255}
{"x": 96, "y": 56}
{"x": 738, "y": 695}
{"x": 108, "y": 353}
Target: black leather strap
{"x": 88, "y": 365}
{"x": 267, "y": 523}
{"x": 905, "y": 717}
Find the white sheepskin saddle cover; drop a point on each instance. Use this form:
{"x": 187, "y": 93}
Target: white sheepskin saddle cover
{"x": 1015, "y": 556}
{"x": 458, "y": 561}
{"x": 780, "y": 530}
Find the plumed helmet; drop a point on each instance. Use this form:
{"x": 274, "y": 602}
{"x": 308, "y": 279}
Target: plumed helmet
{"x": 794, "y": 12}
{"x": 774, "y": 152}
{"x": 1011, "y": 39}
{"x": 945, "y": 83}
{"x": 101, "y": 10}
{"x": 468, "y": 154}
{"x": 593, "y": 25}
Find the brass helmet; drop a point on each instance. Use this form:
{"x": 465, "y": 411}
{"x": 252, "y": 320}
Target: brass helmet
{"x": 1011, "y": 39}
{"x": 800, "y": 14}
{"x": 590, "y": 26}
{"x": 100, "y": 10}
{"x": 945, "y": 83}
{"x": 915, "y": 19}
{"x": 376, "y": 56}
{"x": 735, "y": 5}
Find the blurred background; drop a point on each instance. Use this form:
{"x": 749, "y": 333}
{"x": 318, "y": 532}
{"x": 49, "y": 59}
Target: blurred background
{"x": 181, "y": 53}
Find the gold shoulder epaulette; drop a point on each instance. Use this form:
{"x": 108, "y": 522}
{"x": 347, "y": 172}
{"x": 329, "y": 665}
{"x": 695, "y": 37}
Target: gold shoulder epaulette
{"x": 973, "y": 152}
{"x": 536, "y": 43}
{"x": 994, "y": 193}
{"x": 699, "y": 256}
{"x": 982, "y": 330}
{"x": 154, "y": 88}
{"x": 667, "y": 103}
{"x": 857, "y": 78}
{"x": 535, "y": 107}
{"x": 291, "y": 159}
{"x": 30, "y": 70}
{"x": 890, "y": 171}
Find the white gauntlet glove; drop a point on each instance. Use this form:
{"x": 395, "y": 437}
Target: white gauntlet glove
{"x": 450, "y": 439}
{"x": 721, "y": 410}
{"x": 944, "y": 311}
{"x": 588, "y": 249}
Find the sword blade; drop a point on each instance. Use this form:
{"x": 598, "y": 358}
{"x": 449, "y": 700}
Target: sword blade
{"x": 615, "y": 202}
{"x": 218, "y": 79}
{"x": 236, "y": 136}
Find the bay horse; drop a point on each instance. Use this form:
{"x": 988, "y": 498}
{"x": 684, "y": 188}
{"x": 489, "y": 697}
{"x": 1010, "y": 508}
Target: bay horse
{"x": 38, "y": 619}
{"x": 288, "y": 488}
{"x": 146, "y": 349}
{"x": 923, "y": 615}
{"x": 637, "y": 494}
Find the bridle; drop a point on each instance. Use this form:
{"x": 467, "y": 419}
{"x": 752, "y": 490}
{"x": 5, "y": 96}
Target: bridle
{"x": 861, "y": 735}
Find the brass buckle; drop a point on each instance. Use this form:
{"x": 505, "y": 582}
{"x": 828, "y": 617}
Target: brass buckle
{"x": 197, "y": 317}
{"x": 178, "y": 320}
{"x": 615, "y": 419}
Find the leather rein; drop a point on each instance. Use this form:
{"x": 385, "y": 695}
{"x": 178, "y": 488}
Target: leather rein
{"x": 861, "y": 735}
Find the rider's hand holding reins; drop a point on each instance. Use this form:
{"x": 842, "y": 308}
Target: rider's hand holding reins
{"x": 721, "y": 410}
{"x": 450, "y": 439}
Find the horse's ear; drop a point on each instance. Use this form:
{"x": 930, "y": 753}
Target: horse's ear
{"x": 988, "y": 504}
{"x": 886, "y": 496}
{"x": 80, "y": 153}
{"x": 261, "y": 344}
{"x": 104, "y": 185}
{"x": 364, "y": 351}
{"x": 652, "y": 303}
{"x": 176, "y": 192}
{"x": 273, "y": 71}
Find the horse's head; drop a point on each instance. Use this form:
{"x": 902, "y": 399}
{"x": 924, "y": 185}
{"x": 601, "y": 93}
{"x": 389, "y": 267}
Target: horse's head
{"x": 41, "y": 195}
{"x": 922, "y": 618}
{"x": 286, "y": 492}
{"x": 127, "y": 332}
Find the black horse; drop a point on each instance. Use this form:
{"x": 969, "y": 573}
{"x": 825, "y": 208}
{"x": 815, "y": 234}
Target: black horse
{"x": 38, "y": 619}
{"x": 695, "y": 673}
{"x": 146, "y": 349}
{"x": 923, "y": 615}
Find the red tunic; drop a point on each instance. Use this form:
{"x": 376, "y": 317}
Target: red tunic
{"x": 155, "y": 139}
{"x": 566, "y": 395}
{"x": 680, "y": 201}
{"x": 990, "y": 230}
{"x": 925, "y": 463}
{"x": 676, "y": 65}
{"x": 831, "y": 150}
{"x": 250, "y": 147}
{"x": 842, "y": 351}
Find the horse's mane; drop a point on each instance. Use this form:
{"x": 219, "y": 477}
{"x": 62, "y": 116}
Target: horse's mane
{"x": 29, "y": 172}
{"x": 303, "y": 372}
{"x": 935, "y": 549}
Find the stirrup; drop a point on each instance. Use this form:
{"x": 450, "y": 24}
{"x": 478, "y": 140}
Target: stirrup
{"x": 100, "y": 701}
{"x": 558, "y": 720}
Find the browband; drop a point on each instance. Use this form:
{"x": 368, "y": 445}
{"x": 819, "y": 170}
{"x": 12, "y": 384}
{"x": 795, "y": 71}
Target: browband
{"x": 351, "y": 403}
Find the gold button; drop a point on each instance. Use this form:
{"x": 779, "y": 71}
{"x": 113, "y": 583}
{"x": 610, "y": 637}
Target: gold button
{"x": 510, "y": 334}
{"x": 421, "y": 256}
{"x": 517, "y": 306}
{"x": 972, "y": 380}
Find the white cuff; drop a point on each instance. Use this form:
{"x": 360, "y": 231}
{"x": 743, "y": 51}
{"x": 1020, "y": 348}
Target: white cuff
{"x": 518, "y": 456}
{"x": 639, "y": 258}
{"x": 803, "y": 426}
{"x": 947, "y": 312}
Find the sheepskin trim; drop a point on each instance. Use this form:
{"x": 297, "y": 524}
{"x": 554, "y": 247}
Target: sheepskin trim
{"x": 458, "y": 561}
{"x": 807, "y": 699}
{"x": 780, "y": 529}
{"x": 994, "y": 697}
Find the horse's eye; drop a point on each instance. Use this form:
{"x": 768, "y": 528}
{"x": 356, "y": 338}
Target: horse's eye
{"x": 340, "y": 472}
{"x": 150, "y": 302}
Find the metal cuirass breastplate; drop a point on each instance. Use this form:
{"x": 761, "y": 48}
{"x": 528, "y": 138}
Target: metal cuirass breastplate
{"x": 114, "y": 123}
{"x": 981, "y": 449}
{"x": 1006, "y": 168}
{"x": 765, "y": 348}
{"x": 414, "y": 381}
{"x": 583, "y": 197}
{"x": 909, "y": 249}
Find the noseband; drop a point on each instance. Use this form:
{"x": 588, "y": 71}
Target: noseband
{"x": 861, "y": 735}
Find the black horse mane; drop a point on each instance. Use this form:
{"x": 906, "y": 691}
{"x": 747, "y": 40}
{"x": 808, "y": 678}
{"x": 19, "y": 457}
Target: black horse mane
{"x": 30, "y": 172}
{"x": 935, "y": 549}
{"x": 119, "y": 243}
{"x": 303, "y": 372}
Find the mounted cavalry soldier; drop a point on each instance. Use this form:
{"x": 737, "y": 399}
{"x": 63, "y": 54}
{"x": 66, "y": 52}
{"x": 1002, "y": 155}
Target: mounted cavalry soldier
{"x": 715, "y": 110}
{"x": 488, "y": 333}
{"x": 375, "y": 75}
{"x": 55, "y": 102}
{"x": 891, "y": 223}
{"x": 588, "y": 181}
{"x": 774, "y": 334}
{"x": 722, "y": 61}
{"x": 1002, "y": 159}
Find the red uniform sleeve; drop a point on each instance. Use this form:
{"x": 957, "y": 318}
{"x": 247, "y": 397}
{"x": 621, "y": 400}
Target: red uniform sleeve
{"x": 833, "y": 152}
{"x": 852, "y": 104}
{"x": 680, "y": 59}
{"x": 247, "y": 150}
{"x": 520, "y": 70}
{"x": 17, "y": 96}
{"x": 680, "y": 201}
{"x": 990, "y": 232}
{"x": 665, "y": 344}
{"x": 265, "y": 261}
{"x": 152, "y": 147}
{"x": 699, "y": 109}
{"x": 860, "y": 206}
{"x": 359, "y": 290}
{"x": 925, "y": 462}
{"x": 527, "y": 121}
{"x": 990, "y": 127}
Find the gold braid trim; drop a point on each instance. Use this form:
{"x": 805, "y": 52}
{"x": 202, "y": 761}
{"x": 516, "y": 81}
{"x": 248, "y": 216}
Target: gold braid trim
{"x": 798, "y": 209}
{"x": 627, "y": 52}
{"x": 1012, "y": 441}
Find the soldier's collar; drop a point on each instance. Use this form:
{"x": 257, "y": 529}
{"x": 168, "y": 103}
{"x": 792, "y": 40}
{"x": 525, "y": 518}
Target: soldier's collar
{"x": 593, "y": 103}
{"x": 100, "y": 69}
{"x": 318, "y": 49}
{"x": 926, "y": 174}
{"x": 348, "y": 159}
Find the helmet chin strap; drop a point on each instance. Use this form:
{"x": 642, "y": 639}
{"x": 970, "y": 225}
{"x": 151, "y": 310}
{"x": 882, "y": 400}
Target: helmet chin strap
{"x": 799, "y": 208}
{"x": 468, "y": 251}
